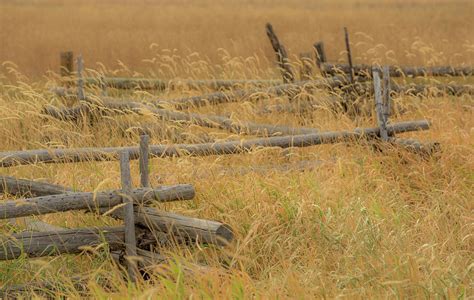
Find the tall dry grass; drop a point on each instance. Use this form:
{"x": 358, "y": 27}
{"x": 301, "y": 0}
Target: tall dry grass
{"x": 358, "y": 224}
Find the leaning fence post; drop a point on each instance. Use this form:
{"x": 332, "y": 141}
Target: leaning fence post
{"x": 144, "y": 152}
{"x": 129, "y": 218}
{"x": 282, "y": 55}
{"x": 379, "y": 107}
{"x": 66, "y": 61}
{"x": 80, "y": 80}
{"x": 349, "y": 55}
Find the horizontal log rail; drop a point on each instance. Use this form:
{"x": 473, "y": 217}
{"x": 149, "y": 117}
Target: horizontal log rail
{"x": 70, "y": 241}
{"x": 194, "y": 229}
{"x": 12, "y": 158}
{"x": 222, "y": 97}
{"x": 398, "y": 71}
{"x": 159, "y": 84}
{"x": 414, "y": 89}
{"x": 199, "y": 230}
{"x": 86, "y": 200}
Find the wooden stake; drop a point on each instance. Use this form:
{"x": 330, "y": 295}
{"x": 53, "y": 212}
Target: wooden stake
{"x": 144, "y": 153}
{"x": 66, "y": 60}
{"x": 349, "y": 55}
{"x": 282, "y": 55}
{"x": 129, "y": 219}
{"x": 80, "y": 80}
{"x": 379, "y": 107}
{"x": 386, "y": 92}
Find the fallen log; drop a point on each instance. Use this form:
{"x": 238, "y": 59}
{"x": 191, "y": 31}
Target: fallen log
{"x": 70, "y": 241}
{"x": 397, "y": 71}
{"x": 12, "y": 158}
{"x": 413, "y": 89}
{"x": 76, "y": 201}
{"x": 205, "y": 231}
{"x": 183, "y": 227}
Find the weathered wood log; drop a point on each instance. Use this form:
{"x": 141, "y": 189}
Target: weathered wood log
{"x": 129, "y": 216}
{"x": 71, "y": 241}
{"x": 281, "y": 54}
{"x": 15, "y": 186}
{"x": 42, "y": 288}
{"x": 421, "y": 89}
{"x": 76, "y": 201}
{"x": 379, "y": 107}
{"x": 396, "y": 71}
{"x": 433, "y": 89}
{"x": 143, "y": 160}
{"x": 387, "y": 88}
{"x": 234, "y": 147}
{"x": 205, "y": 231}
{"x": 231, "y": 96}
{"x": 157, "y": 84}
{"x": 182, "y": 227}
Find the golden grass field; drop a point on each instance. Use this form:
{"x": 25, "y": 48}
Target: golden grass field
{"x": 358, "y": 224}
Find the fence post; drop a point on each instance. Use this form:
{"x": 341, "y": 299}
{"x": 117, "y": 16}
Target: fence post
{"x": 386, "y": 92}
{"x": 282, "y": 55}
{"x": 129, "y": 218}
{"x": 144, "y": 152}
{"x": 349, "y": 55}
{"x": 80, "y": 80}
{"x": 66, "y": 61}
{"x": 379, "y": 107}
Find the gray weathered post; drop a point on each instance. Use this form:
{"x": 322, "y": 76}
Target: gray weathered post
{"x": 282, "y": 55}
{"x": 349, "y": 55}
{"x": 129, "y": 219}
{"x": 144, "y": 153}
{"x": 386, "y": 92}
{"x": 66, "y": 61}
{"x": 379, "y": 107}
{"x": 80, "y": 80}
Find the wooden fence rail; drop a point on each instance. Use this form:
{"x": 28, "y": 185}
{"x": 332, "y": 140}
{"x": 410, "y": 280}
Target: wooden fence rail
{"x": 70, "y": 241}
{"x": 182, "y": 227}
{"x": 128, "y": 83}
{"x": 87, "y": 200}
{"x": 12, "y": 158}
{"x": 396, "y": 71}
